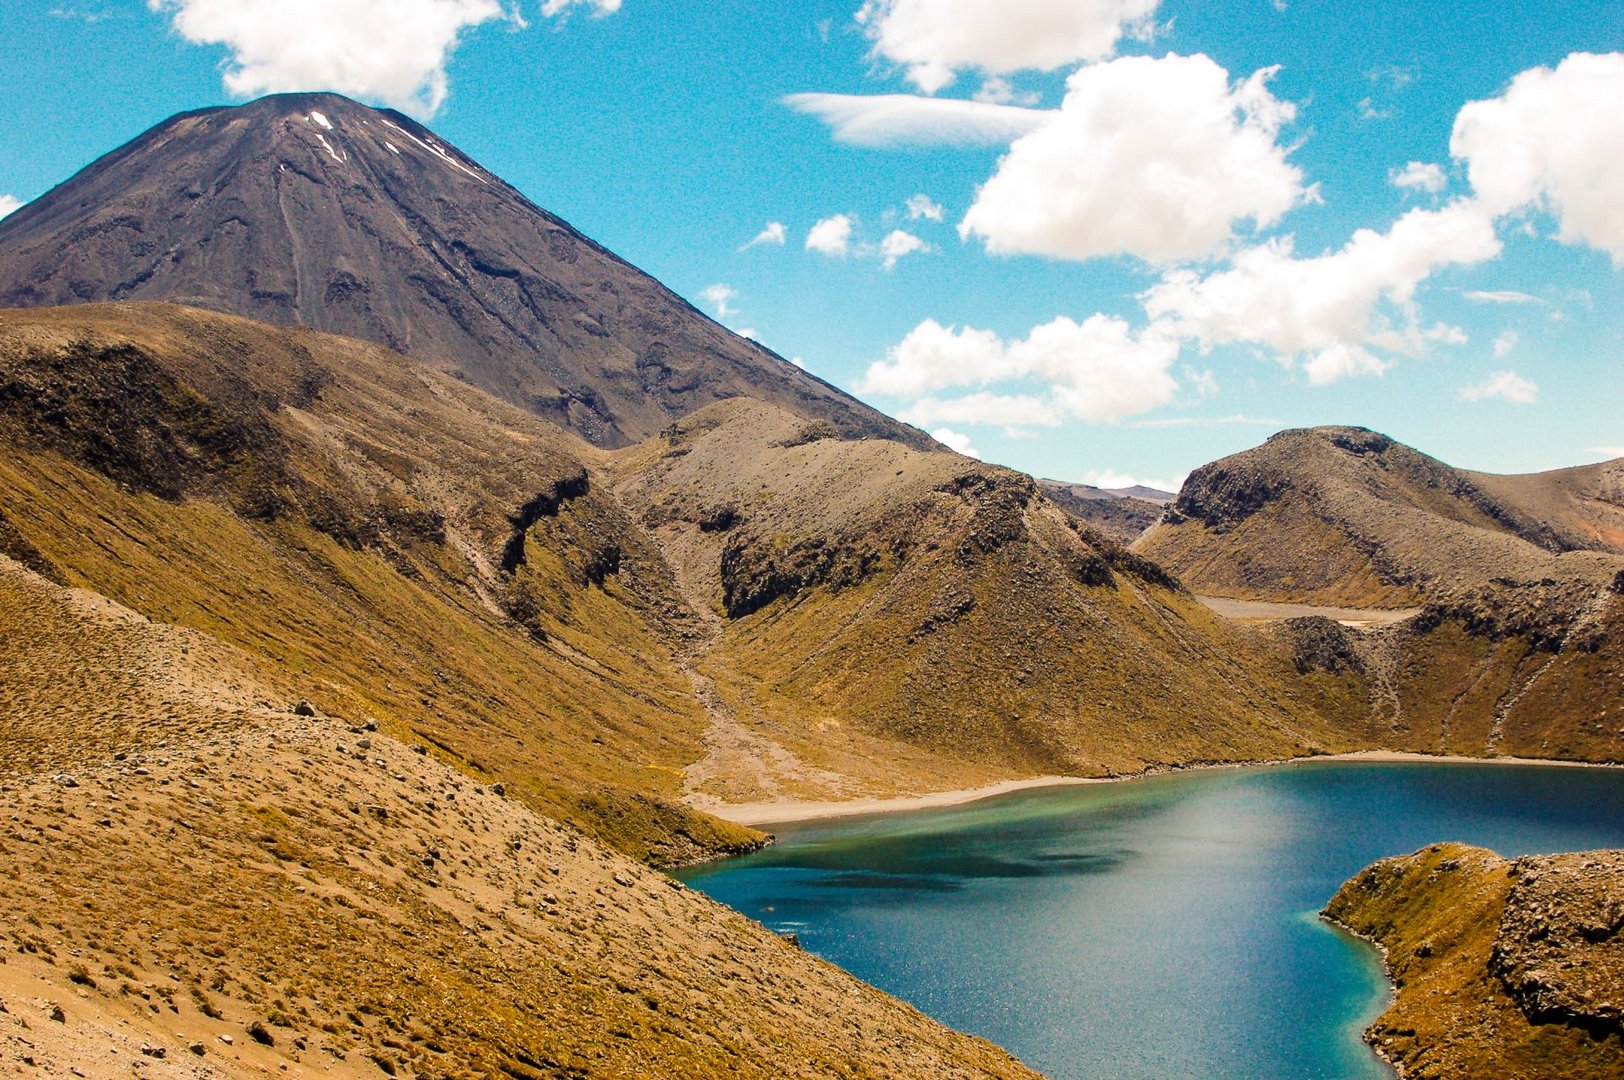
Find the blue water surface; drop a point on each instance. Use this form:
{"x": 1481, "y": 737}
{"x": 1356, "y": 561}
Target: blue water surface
{"x": 1159, "y": 928}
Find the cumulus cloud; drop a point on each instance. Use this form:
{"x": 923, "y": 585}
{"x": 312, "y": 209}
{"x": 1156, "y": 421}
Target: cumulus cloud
{"x": 899, "y": 243}
{"x": 1158, "y": 158}
{"x": 1096, "y": 370}
{"x": 890, "y": 120}
{"x": 1504, "y": 343}
{"x": 932, "y": 39}
{"x": 1419, "y": 176}
{"x": 720, "y": 297}
{"x": 773, "y": 233}
{"x": 922, "y": 207}
{"x": 1332, "y": 308}
{"x": 1503, "y": 384}
{"x": 1341, "y": 361}
{"x": 1554, "y": 139}
{"x": 1010, "y": 411}
{"x": 831, "y": 236}
{"x": 956, "y": 441}
{"x": 9, "y": 203}
{"x": 393, "y": 51}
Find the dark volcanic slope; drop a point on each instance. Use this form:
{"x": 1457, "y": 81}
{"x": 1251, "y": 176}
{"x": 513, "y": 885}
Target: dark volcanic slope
{"x": 312, "y": 210}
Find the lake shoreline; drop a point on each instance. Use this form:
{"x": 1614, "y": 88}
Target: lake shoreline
{"x": 792, "y": 812}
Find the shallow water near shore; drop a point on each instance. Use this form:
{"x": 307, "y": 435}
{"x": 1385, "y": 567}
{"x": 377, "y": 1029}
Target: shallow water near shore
{"x": 1158, "y": 928}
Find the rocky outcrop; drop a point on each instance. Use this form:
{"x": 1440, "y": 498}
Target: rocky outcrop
{"x": 1501, "y": 967}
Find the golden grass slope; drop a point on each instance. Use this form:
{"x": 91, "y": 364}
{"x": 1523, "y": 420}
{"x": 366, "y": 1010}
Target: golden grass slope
{"x": 898, "y": 619}
{"x": 1502, "y": 968}
{"x": 403, "y": 546}
{"x": 1519, "y": 646}
{"x": 1350, "y": 517}
{"x": 194, "y": 881}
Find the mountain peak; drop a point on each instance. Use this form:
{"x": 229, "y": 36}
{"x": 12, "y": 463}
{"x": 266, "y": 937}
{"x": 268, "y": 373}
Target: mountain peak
{"x": 315, "y": 210}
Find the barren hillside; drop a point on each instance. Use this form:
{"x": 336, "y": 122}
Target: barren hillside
{"x": 196, "y": 881}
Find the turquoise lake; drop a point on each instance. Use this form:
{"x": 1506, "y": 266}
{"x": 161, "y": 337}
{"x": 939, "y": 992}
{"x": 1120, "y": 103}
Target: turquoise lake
{"x": 1157, "y": 928}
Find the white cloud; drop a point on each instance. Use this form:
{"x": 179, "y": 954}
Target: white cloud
{"x": 1342, "y": 361}
{"x": 1501, "y": 296}
{"x": 886, "y": 120}
{"x": 1239, "y": 419}
{"x": 1421, "y": 176}
{"x": 998, "y": 90}
{"x": 1329, "y": 308}
{"x": 1554, "y": 139}
{"x": 720, "y": 297}
{"x": 1505, "y": 343}
{"x": 1112, "y": 479}
{"x": 1503, "y": 384}
{"x": 8, "y": 204}
{"x": 1004, "y": 410}
{"x": 774, "y": 233}
{"x": 831, "y": 236}
{"x": 956, "y": 441}
{"x": 934, "y": 38}
{"x": 1096, "y": 370}
{"x": 1203, "y": 382}
{"x": 922, "y": 207}
{"x": 899, "y": 243}
{"x": 1608, "y": 452}
{"x": 393, "y": 51}
{"x": 1157, "y": 158}
{"x": 597, "y": 7}
{"x": 936, "y": 357}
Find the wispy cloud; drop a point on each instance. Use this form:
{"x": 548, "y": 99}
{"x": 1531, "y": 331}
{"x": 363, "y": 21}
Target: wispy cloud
{"x": 773, "y": 234}
{"x": 1239, "y": 419}
{"x": 1501, "y": 296}
{"x": 721, "y": 298}
{"x": 1503, "y": 384}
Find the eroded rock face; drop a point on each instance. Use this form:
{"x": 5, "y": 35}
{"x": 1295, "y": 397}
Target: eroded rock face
{"x": 1501, "y": 967}
{"x": 1560, "y": 948}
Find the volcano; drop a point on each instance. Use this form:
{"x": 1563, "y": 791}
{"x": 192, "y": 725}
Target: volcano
{"x": 314, "y": 210}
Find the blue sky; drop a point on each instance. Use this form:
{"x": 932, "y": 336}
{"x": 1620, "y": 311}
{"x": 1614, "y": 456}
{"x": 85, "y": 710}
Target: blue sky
{"x": 1148, "y": 254}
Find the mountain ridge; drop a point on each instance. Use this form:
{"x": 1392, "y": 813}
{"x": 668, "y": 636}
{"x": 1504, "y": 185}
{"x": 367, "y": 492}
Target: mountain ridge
{"x": 314, "y": 210}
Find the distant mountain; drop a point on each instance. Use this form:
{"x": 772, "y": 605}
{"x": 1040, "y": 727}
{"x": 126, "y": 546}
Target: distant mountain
{"x": 1519, "y": 644}
{"x": 1120, "y": 514}
{"x": 1340, "y": 515}
{"x": 312, "y": 210}
{"x": 1140, "y": 491}
{"x": 1583, "y": 506}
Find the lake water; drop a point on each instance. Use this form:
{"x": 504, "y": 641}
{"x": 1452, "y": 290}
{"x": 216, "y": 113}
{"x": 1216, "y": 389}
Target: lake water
{"x": 1157, "y": 928}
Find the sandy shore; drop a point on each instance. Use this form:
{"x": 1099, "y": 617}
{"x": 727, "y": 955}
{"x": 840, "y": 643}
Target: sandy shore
{"x": 784, "y": 812}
